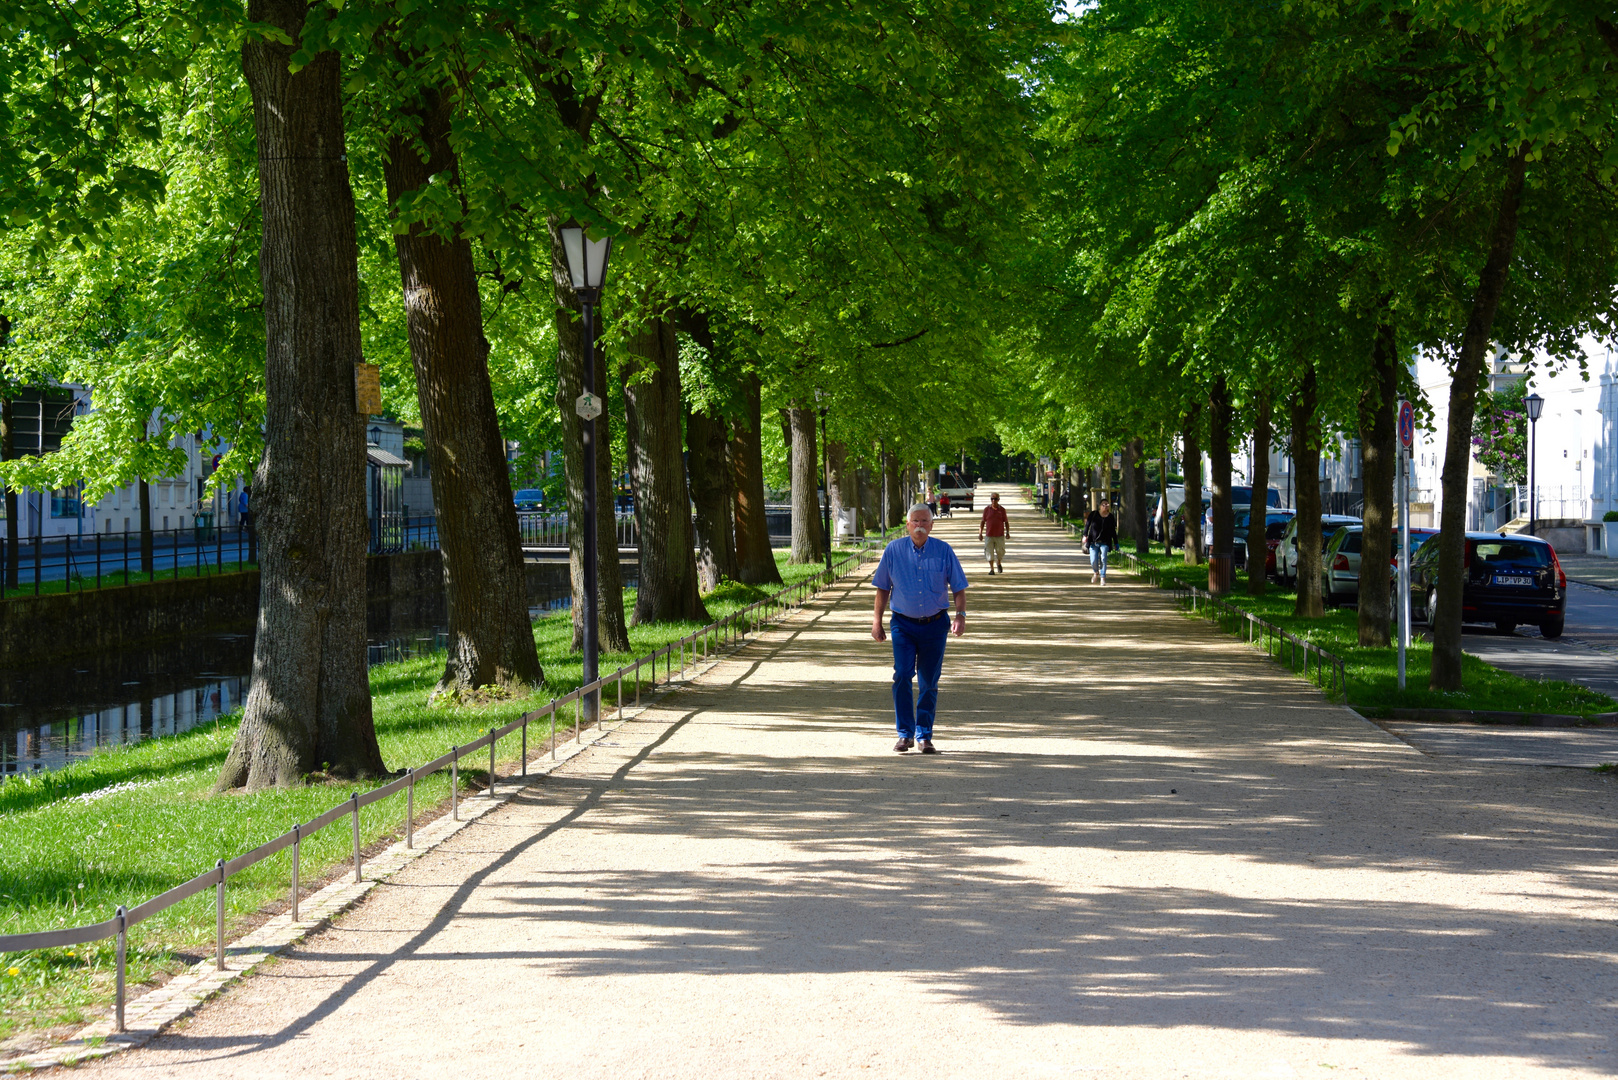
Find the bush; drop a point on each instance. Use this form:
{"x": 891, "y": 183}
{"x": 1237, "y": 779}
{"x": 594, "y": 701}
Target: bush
{"x": 1610, "y": 515}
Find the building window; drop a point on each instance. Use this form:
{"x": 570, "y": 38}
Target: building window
{"x": 65, "y": 503}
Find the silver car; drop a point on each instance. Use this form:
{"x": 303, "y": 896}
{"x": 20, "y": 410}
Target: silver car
{"x": 1286, "y": 554}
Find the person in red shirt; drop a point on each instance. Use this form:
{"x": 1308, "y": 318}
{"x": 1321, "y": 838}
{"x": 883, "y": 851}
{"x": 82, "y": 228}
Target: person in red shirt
{"x": 994, "y": 530}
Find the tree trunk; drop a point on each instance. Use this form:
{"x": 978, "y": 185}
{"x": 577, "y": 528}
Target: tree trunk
{"x": 1306, "y": 470}
{"x": 1257, "y": 544}
{"x": 148, "y": 554}
{"x": 310, "y": 703}
{"x": 1135, "y": 494}
{"x": 842, "y": 490}
{"x": 710, "y": 491}
{"x": 613, "y": 633}
{"x": 808, "y": 545}
{"x": 1379, "y": 439}
{"x": 668, "y": 590}
{"x": 755, "y": 560}
{"x": 1191, "y": 466}
{"x": 1463, "y": 403}
{"x": 896, "y": 508}
{"x": 1223, "y": 513}
{"x": 870, "y": 499}
{"x": 491, "y": 641}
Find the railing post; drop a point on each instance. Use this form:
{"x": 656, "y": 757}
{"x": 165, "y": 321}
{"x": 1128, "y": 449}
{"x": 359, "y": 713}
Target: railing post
{"x": 491, "y": 762}
{"x": 454, "y": 782}
{"x": 355, "y": 799}
{"x": 553, "y": 728}
{"x": 620, "y": 695}
{"x": 637, "y": 682}
{"x": 219, "y": 916}
{"x": 123, "y": 946}
{"x": 525, "y": 744}
{"x": 297, "y": 853}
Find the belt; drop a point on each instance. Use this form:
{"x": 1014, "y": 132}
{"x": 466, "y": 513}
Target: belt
{"x": 934, "y": 617}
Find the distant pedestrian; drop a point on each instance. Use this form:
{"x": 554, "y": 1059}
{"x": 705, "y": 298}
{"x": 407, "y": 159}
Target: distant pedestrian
{"x": 1100, "y": 537}
{"x": 943, "y": 504}
{"x": 920, "y": 575}
{"x": 993, "y": 531}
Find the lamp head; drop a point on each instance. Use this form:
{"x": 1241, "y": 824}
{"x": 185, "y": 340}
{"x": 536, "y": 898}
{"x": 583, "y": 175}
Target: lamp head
{"x": 586, "y": 258}
{"x": 1536, "y": 405}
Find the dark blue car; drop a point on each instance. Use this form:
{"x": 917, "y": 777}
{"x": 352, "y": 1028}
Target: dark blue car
{"x": 1511, "y": 580}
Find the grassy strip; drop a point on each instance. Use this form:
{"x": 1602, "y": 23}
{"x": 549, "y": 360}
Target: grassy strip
{"x": 129, "y": 822}
{"x": 115, "y": 579}
{"x": 1373, "y": 673}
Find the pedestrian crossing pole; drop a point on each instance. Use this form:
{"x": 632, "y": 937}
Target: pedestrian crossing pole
{"x": 1407, "y": 438}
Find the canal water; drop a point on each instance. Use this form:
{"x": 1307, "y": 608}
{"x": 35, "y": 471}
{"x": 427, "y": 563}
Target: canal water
{"x": 53, "y": 714}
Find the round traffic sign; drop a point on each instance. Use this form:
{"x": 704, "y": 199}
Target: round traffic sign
{"x": 1407, "y": 424}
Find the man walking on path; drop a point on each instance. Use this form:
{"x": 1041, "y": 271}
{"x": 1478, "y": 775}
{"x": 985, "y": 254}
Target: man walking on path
{"x": 919, "y": 574}
{"x": 1100, "y": 537}
{"x": 993, "y": 532}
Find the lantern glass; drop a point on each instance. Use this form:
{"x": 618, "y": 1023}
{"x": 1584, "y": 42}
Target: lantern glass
{"x": 1536, "y": 405}
{"x": 586, "y": 258}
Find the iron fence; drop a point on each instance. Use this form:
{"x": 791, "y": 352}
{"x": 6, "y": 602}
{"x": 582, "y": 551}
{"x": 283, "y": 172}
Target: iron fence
{"x": 692, "y": 648}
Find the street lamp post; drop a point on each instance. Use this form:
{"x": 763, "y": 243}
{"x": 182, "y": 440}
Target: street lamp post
{"x": 587, "y": 267}
{"x": 825, "y": 476}
{"x": 1536, "y": 405}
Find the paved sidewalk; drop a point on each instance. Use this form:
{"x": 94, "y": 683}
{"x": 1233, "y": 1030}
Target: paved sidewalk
{"x": 1592, "y": 570}
{"x": 1144, "y": 852}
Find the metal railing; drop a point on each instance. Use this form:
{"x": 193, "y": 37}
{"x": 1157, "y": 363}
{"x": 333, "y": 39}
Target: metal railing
{"x": 1279, "y": 644}
{"x": 693, "y": 647}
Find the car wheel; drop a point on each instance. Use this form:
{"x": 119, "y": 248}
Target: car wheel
{"x": 1552, "y": 628}
{"x": 1505, "y": 626}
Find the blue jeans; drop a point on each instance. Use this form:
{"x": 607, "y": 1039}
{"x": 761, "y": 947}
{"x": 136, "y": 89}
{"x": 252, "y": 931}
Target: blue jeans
{"x": 1098, "y": 559}
{"x": 918, "y": 649}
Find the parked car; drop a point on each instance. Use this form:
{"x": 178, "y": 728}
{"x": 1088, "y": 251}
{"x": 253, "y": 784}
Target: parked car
{"x": 1241, "y": 503}
{"x": 1286, "y": 552}
{"x": 1511, "y": 580}
{"x": 1341, "y": 562}
{"x": 1275, "y": 522}
{"x": 528, "y": 500}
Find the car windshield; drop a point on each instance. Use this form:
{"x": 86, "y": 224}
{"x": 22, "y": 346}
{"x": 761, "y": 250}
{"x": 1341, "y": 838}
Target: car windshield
{"x": 529, "y": 495}
{"x": 1351, "y": 543}
{"x": 1275, "y": 529}
{"x": 1512, "y": 553}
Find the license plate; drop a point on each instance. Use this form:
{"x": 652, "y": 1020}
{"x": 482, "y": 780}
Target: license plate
{"x": 1513, "y": 579}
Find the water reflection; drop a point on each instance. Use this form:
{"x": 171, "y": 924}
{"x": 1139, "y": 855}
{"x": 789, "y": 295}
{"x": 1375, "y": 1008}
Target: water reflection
{"x": 53, "y": 714}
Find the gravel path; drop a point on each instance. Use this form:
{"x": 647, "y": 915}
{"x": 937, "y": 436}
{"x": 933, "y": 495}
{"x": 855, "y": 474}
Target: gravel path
{"x": 1144, "y": 851}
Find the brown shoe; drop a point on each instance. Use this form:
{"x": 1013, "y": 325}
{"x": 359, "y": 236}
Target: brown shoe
{"x": 903, "y": 744}
{"x": 927, "y": 747}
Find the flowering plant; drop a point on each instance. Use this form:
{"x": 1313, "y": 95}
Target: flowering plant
{"x": 1500, "y": 433}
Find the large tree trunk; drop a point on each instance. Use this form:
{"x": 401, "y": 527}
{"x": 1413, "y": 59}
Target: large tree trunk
{"x": 1379, "y": 438}
{"x": 870, "y": 499}
{"x": 1257, "y": 544}
{"x": 710, "y": 492}
{"x": 808, "y": 545}
{"x": 1135, "y": 494}
{"x": 1191, "y": 466}
{"x": 842, "y": 491}
{"x": 1223, "y": 541}
{"x": 612, "y": 630}
{"x": 1463, "y": 403}
{"x": 1306, "y": 470}
{"x": 491, "y": 641}
{"x": 755, "y": 560}
{"x": 668, "y": 590}
{"x": 148, "y": 553}
{"x": 310, "y": 705}
{"x": 896, "y": 508}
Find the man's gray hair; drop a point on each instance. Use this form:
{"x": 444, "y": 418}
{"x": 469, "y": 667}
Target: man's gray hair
{"x": 923, "y": 507}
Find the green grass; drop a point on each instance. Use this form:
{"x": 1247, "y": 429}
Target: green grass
{"x": 1373, "y": 675}
{"x": 112, "y": 579}
{"x": 127, "y": 823}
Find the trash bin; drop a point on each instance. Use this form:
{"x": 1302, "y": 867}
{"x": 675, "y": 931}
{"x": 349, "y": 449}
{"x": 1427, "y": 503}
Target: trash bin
{"x": 204, "y": 526}
{"x": 1219, "y": 574}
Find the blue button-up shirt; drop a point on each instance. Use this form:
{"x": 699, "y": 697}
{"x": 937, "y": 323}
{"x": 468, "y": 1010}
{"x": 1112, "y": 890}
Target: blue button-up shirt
{"x": 919, "y": 579}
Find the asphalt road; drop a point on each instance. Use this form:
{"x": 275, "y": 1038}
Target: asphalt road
{"x": 1587, "y": 652}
